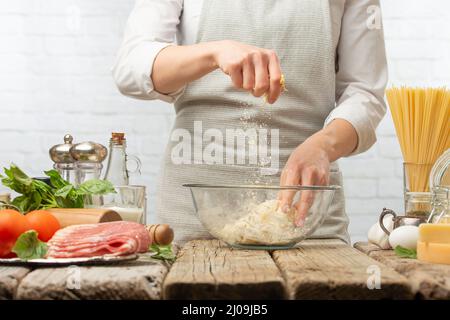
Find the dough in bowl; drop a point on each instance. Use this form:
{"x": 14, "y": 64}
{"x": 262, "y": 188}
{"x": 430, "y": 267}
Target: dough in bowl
{"x": 264, "y": 224}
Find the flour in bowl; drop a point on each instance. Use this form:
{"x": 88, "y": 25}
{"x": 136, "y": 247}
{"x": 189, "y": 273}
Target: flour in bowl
{"x": 264, "y": 223}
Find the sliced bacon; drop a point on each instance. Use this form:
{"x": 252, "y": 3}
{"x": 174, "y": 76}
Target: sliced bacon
{"x": 90, "y": 240}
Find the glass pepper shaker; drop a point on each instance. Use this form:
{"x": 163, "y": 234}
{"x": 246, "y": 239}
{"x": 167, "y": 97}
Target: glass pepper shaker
{"x": 88, "y": 158}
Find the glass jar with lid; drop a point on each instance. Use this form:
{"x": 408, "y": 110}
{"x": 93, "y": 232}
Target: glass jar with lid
{"x": 440, "y": 182}
{"x": 440, "y": 212}
{"x": 440, "y": 173}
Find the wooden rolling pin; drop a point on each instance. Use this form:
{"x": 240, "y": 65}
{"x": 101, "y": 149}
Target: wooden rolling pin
{"x": 161, "y": 234}
{"x": 68, "y": 217}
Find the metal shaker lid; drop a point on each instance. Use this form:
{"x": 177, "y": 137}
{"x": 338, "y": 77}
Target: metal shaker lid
{"x": 60, "y": 153}
{"x": 88, "y": 151}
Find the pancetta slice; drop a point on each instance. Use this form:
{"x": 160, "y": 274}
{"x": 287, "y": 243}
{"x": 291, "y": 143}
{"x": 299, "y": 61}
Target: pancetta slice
{"x": 89, "y": 240}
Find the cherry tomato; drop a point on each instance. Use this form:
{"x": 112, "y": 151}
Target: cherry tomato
{"x": 44, "y": 222}
{"x": 12, "y": 225}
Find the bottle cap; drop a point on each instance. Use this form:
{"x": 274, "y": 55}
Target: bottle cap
{"x": 118, "y": 137}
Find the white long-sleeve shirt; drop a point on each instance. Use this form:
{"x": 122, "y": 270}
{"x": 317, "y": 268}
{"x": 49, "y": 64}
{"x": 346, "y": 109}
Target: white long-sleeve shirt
{"x": 356, "y": 32}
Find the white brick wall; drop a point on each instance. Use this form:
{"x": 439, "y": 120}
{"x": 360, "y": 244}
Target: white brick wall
{"x": 55, "y": 57}
{"x": 417, "y": 36}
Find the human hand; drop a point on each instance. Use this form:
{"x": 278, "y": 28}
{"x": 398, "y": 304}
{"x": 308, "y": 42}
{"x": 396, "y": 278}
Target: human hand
{"x": 254, "y": 69}
{"x": 308, "y": 164}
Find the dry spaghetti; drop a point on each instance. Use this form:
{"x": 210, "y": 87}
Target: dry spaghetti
{"x": 422, "y": 121}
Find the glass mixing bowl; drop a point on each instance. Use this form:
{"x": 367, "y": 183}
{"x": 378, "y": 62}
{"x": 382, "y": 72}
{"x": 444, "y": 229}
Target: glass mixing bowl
{"x": 249, "y": 216}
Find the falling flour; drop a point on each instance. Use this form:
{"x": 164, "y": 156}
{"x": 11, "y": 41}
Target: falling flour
{"x": 256, "y": 224}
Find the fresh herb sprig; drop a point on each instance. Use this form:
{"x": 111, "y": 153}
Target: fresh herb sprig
{"x": 162, "y": 252}
{"x": 405, "y": 252}
{"x": 36, "y": 194}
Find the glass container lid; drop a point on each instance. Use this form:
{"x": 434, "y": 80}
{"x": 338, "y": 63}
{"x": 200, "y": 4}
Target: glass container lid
{"x": 440, "y": 173}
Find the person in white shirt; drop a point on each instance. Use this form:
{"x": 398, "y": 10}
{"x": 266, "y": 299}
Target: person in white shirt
{"x": 218, "y": 59}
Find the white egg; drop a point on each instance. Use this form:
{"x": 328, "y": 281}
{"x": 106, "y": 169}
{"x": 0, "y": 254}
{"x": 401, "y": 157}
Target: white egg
{"x": 405, "y": 236}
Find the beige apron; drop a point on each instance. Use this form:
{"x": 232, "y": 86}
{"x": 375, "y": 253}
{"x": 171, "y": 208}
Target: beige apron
{"x": 300, "y": 33}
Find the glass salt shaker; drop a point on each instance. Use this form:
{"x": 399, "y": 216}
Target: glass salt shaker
{"x": 64, "y": 163}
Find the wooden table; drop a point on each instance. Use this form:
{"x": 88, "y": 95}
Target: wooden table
{"x": 427, "y": 281}
{"x": 208, "y": 269}
{"x": 317, "y": 269}
{"x": 140, "y": 279}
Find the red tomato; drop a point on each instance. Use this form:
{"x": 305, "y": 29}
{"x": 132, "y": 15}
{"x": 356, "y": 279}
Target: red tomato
{"x": 12, "y": 225}
{"x": 44, "y": 222}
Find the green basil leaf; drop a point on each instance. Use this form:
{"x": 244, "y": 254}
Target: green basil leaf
{"x": 8, "y": 173}
{"x": 17, "y": 180}
{"x": 41, "y": 185}
{"x": 35, "y": 202}
{"x": 64, "y": 203}
{"x": 64, "y": 191}
{"x": 405, "y": 252}
{"x": 22, "y": 203}
{"x": 20, "y": 176}
{"x": 6, "y": 180}
{"x": 55, "y": 179}
{"x": 96, "y": 187}
{"x": 162, "y": 252}
{"x": 28, "y": 246}
{"x": 78, "y": 202}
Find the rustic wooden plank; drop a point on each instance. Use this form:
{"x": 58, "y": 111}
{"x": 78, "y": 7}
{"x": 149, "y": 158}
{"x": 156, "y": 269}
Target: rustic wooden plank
{"x": 141, "y": 279}
{"x": 331, "y": 269}
{"x": 367, "y": 248}
{"x": 429, "y": 281}
{"x": 10, "y": 278}
{"x": 209, "y": 269}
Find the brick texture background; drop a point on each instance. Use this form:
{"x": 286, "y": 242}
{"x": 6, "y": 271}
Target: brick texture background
{"x": 55, "y": 59}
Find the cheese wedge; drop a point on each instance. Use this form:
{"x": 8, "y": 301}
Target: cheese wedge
{"x": 434, "y": 243}
{"x": 433, "y": 252}
{"x": 434, "y": 232}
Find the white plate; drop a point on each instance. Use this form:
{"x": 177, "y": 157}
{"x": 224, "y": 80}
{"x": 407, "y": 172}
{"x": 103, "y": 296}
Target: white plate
{"x": 69, "y": 261}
